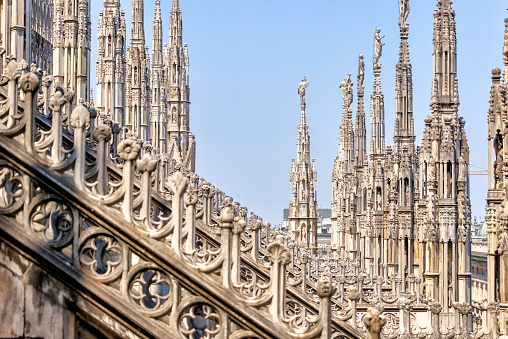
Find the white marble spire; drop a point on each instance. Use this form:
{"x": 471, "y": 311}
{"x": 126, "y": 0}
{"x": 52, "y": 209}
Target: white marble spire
{"x": 377, "y": 108}
{"x": 138, "y": 24}
{"x": 360, "y": 128}
{"x": 443, "y": 170}
{"x": 111, "y": 62}
{"x": 158, "y": 90}
{"x": 303, "y": 204}
{"x": 181, "y": 143}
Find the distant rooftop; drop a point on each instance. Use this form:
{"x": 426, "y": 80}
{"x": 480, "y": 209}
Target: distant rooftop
{"x": 322, "y": 213}
{"x": 482, "y": 231}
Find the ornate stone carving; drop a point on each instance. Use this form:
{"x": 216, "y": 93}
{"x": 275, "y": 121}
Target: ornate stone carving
{"x": 80, "y": 117}
{"x": 129, "y": 149}
{"x": 374, "y": 322}
{"x": 100, "y": 255}
{"x": 102, "y": 132}
{"x": 150, "y": 289}
{"x": 146, "y": 164}
{"x": 325, "y": 288}
{"x": 51, "y": 220}
{"x": 199, "y": 320}
{"x": 278, "y": 253}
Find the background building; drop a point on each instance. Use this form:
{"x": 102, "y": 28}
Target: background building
{"x": 324, "y": 224}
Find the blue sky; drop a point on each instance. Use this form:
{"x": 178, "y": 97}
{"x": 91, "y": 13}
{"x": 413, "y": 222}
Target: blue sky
{"x": 247, "y": 58}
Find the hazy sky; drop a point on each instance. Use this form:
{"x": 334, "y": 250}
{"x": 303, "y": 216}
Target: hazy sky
{"x": 247, "y": 58}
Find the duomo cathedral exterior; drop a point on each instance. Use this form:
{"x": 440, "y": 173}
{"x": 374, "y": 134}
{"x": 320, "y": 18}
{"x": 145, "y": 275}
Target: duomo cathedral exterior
{"x": 106, "y": 231}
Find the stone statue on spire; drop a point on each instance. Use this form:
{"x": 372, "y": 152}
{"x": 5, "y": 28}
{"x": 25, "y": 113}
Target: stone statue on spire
{"x": 347, "y": 91}
{"x": 301, "y": 90}
{"x": 361, "y": 71}
{"x": 378, "y": 46}
{"x": 403, "y": 12}
{"x": 186, "y": 54}
{"x": 505, "y": 46}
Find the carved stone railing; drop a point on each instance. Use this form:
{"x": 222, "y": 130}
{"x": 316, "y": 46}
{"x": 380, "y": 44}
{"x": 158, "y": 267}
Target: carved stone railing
{"x": 357, "y": 289}
{"x": 105, "y": 226}
{"x": 407, "y": 311}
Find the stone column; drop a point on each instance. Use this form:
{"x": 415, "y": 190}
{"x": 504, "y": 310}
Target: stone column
{"x": 17, "y": 29}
